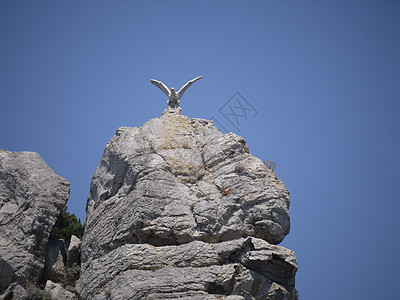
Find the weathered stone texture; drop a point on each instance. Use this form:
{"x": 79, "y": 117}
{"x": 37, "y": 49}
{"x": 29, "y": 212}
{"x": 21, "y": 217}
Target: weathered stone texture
{"x": 246, "y": 266}
{"x": 173, "y": 188}
{"x": 30, "y": 198}
{"x": 57, "y": 292}
{"x": 55, "y": 262}
{"x": 74, "y": 251}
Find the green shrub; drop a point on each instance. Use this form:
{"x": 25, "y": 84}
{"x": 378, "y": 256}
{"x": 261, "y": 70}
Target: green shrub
{"x": 74, "y": 272}
{"x": 190, "y": 180}
{"x": 66, "y": 225}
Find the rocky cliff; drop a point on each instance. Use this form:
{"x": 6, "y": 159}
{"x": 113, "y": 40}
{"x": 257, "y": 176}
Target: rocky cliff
{"x": 30, "y": 198}
{"x": 176, "y": 209}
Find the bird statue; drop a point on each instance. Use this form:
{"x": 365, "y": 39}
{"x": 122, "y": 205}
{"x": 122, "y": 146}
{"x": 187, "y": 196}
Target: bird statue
{"x": 173, "y": 96}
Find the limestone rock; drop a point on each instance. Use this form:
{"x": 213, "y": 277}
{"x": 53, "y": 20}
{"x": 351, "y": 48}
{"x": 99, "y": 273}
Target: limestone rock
{"x": 175, "y": 180}
{"x": 16, "y": 291}
{"x": 55, "y": 263}
{"x": 74, "y": 251}
{"x": 277, "y": 292}
{"x": 247, "y": 267}
{"x": 30, "y": 198}
{"x": 57, "y": 292}
{"x": 176, "y": 209}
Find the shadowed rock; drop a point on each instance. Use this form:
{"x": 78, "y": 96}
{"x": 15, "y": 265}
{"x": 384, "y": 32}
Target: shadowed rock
{"x": 55, "y": 262}
{"x": 74, "y": 251}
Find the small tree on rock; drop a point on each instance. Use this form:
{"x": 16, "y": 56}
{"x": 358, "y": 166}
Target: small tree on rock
{"x": 66, "y": 225}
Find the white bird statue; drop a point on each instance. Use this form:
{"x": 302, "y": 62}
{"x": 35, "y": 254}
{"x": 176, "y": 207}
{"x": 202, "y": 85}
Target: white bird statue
{"x": 173, "y": 97}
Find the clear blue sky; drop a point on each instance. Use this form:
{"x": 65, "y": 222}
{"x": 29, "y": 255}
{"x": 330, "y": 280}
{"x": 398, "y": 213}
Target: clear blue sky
{"x": 322, "y": 75}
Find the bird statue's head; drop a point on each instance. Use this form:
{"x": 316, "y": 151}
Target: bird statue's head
{"x": 173, "y": 91}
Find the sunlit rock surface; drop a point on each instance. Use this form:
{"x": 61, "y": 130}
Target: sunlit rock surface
{"x": 31, "y": 195}
{"x": 178, "y": 209}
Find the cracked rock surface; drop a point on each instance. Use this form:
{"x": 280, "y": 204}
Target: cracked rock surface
{"x": 176, "y": 209}
{"x": 245, "y": 266}
{"x": 31, "y": 195}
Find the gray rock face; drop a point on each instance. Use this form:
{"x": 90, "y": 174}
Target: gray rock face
{"x": 59, "y": 260}
{"x": 177, "y": 186}
{"x": 247, "y": 267}
{"x": 57, "y": 292}
{"x": 55, "y": 261}
{"x": 74, "y": 251}
{"x": 30, "y": 197}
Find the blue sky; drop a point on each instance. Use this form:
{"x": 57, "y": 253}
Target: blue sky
{"x": 323, "y": 77}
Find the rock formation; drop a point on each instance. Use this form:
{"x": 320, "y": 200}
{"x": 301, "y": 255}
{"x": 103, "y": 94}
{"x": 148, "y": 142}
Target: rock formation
{"x": 176, "y": 209}
{"x": 55, "y": 261}
{"x": 74, "y": 252}
{"x": 31, "y": 195}
{"x": 56, "y": 292}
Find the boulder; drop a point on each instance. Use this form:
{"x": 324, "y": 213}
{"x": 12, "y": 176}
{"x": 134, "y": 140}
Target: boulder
{"x": 175, "y": 180}
{"x": 55, "y": 268}
{"x": 200, "y": 214}
{"x": 31, "y": 195}
{"x": 57, "y": 292}
{"x": 74, "y": 251}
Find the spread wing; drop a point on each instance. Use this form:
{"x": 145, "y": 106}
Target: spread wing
{"x": 186, "y": 86}
{"x": 161, "y": 86}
